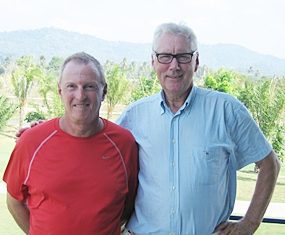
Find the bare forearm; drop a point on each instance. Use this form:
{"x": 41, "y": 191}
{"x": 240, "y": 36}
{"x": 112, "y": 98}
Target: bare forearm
{"x": 266, "y": 180}
{"x": 20, "y": 213}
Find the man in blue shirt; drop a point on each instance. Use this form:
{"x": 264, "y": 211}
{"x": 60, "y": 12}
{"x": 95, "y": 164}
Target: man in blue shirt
{"x": 191, "y": 143}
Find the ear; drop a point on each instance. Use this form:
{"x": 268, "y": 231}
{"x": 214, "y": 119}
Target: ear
{"x": 59, "y": 89}
{"x": 152, "y": 61}
{"x": 197, "y": 62}
{"x": 104, "y": 92}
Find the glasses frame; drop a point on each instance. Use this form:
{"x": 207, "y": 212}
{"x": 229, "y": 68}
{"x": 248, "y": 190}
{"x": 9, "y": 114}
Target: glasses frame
{"x": 176, "y": 56}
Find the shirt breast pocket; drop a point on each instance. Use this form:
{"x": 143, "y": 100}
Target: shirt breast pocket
{"x": 36, "y": 200}
{"x": 209, "y": 164}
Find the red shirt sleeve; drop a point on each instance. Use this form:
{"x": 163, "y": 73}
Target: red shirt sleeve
{"x": 16, "y": 171}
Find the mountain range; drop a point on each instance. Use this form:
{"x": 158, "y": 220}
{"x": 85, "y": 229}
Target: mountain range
{"x": 51, "y": 42}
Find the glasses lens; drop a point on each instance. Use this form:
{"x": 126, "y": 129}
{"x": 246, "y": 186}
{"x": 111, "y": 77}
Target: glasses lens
{"x": 181, "y": 58}
{"x": 184, "y": 58}
{"x": 164, "y": 58}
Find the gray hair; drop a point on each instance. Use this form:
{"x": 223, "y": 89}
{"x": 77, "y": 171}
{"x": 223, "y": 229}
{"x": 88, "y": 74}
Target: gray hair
{"x": 177, "y": 29}
{"x": 84, "y": 58}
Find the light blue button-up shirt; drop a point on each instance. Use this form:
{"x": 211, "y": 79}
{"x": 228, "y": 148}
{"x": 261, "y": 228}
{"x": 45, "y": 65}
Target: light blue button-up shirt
{"x": 188, "y": 161}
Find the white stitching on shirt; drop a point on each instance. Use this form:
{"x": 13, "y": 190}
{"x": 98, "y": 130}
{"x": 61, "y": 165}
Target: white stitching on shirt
{"x": 122, "y": 160}
{"x": 35, "y": 153}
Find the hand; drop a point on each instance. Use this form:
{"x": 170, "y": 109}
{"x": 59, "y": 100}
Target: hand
{"x": 242, "y": 227}
{"x": 23, "y": 129}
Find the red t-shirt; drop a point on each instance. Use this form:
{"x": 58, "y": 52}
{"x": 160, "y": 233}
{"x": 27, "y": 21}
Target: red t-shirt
{"x": 72, "y": 185}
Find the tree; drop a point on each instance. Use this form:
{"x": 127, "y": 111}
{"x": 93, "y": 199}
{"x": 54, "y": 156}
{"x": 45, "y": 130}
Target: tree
{"x": 48, "y": 88}
{"x": 2, "y": 70}
{"x": 56, "y": 108}
{"x": 223, "y": 80}
{"x": 117, "y": 85}
{"x": 7, "y": 109}
{"x": 34, "y": 116}
{"x": 22, "y": 79}
{"x": 54, "y": 65}
{"x": 146, "y": 86}
{"x": 5, "y": 64}
{"x": 265, "y": 99}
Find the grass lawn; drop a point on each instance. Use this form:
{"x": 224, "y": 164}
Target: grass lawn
{"x": 7, "y": 224}
{"x": 246, "y": 181}
{"x": 6, "y": 147}
{"x": 247, "y": 178}
{"x": 271, "y": 229}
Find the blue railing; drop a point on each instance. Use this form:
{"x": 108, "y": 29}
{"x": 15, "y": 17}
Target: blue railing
{"x": 265, "y": 220}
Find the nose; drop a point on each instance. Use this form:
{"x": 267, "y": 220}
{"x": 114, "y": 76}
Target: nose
{"x": 174, "y": 64}
{"x": 80, "y": 93}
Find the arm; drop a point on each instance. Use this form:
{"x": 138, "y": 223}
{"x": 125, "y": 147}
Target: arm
{"x": 266, "y": 180}
{"x": 129, "y": 204}
{"x": 132, "y": 184}
{"x": 20, "y": 212}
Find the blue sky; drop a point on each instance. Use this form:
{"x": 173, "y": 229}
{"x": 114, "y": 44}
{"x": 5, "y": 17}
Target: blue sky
{"x": 255, "y": 24}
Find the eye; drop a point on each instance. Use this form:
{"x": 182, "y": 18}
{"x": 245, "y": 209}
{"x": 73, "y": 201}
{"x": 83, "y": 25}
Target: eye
{"x": 90, "y": 87}
{"x": 184, "y": 57}
{"x": 70, "y": 86}
{"x": 165, "y": 57}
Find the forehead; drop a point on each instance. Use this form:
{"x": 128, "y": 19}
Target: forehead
{"x": 172, "y": 43}
{"x": 76, "y": 69}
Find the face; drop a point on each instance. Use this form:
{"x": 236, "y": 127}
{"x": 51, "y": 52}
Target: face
{"x": 81, "y": 92}
{"x": 176, "y": 79}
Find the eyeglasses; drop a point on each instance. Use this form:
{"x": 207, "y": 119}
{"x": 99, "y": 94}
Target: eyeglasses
{"x": 182, "y": 58}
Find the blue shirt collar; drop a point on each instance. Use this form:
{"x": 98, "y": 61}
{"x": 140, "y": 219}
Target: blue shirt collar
{"x": 188, "y": 101}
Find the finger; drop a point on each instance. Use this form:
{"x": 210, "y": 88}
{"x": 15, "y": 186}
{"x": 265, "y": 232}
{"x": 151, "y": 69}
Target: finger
{"x": 34, "y": 123}
{"x": 222, "y": 226}
{"x": 21, "y": 131}
{"x": 225, "y": 228}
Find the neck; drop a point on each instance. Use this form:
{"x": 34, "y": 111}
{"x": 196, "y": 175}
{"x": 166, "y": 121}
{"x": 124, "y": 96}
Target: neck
{"x": 174, "y": 105}
{"x": 79, "y": 129}
{"x": 175, "y": 101}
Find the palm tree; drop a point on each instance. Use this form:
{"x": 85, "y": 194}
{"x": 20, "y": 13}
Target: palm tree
{"x": 22, "y": 79}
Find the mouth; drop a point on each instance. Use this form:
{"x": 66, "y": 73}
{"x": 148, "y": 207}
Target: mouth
{"x": 80, "y": 105}
{"x": 175, "y": 76}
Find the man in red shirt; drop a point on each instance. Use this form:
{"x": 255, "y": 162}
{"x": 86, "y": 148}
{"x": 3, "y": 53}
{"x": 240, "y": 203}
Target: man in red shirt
{"x": 76, "y": 174}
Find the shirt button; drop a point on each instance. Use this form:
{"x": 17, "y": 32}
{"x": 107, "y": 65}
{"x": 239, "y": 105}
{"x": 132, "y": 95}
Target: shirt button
{"x": 173, "y": 164}
{"x": 173, "y": 141}
{"x": 173, "y": 188}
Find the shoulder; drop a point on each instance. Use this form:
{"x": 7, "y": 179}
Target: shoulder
{"x": 40, "y": 131}
{"x": 146, "y": 105}
{"x": 209, "y": 93}
{"x": 115, "y": 131}
{"x": 31, "y": 140}
{"x": 217, "y": 97}
{"x": 139, "y": 111}
{"x": 146, "y": 102}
